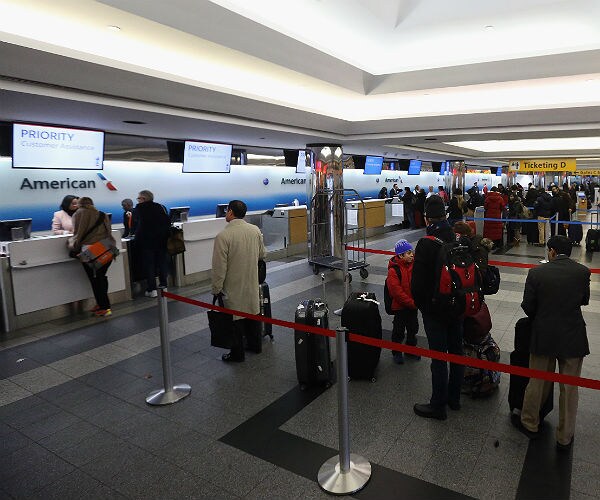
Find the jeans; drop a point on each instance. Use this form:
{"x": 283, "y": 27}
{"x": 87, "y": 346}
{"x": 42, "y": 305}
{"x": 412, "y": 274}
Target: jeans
{"x": 99, "y": 283}
{"x": 444, "y": 337}
{"x": 154, "y": 260}
{"x": 405, "y": 319}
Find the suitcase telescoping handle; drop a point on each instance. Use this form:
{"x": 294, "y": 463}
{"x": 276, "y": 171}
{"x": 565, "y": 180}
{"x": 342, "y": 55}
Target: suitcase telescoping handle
{"x": 323, "y": 285}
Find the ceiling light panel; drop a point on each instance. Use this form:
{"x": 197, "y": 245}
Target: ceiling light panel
{"x": 557, "y": 144}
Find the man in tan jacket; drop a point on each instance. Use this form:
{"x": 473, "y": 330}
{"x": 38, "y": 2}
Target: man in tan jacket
{"x": 235, "y": 272}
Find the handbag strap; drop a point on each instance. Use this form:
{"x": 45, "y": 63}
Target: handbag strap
{"x": 218, "y": 297}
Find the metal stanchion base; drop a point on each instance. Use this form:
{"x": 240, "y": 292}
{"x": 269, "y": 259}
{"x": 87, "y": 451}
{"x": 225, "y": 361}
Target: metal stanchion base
{"x": 162, "y": 397}
{"x": 336, "y": 482}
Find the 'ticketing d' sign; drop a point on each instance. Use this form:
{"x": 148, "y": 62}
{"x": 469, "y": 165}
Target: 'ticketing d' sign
{"x": 543, "y": 165}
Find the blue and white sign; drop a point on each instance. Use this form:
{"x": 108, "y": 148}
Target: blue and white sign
{"x": 39, "y": 146}
{"x": 204, "y": 157}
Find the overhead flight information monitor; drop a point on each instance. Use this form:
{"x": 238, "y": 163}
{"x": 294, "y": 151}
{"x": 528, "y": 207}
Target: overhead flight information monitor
{"x": 204, "y": 157}
{"x": 373, "y": 165}
{"x": 42, "y": 146}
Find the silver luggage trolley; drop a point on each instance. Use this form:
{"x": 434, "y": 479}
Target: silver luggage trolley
{"x": 322, "y": 231}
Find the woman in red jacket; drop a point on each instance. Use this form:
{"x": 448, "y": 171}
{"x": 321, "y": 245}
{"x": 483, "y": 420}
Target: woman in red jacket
{"x": 494, "y": 205}
{"x": 405, "y": 312}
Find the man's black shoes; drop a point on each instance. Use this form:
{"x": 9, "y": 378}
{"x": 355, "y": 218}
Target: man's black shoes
{"x": 454, "y": 406}
{"x": 564, "y": 448}
{"x": 228, "y": 358}
{"x": 516, "y": 421}
{"x": 428, "y": 411}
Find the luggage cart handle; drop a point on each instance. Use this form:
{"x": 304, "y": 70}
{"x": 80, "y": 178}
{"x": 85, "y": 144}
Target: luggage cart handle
{"x": 323, "y": 285}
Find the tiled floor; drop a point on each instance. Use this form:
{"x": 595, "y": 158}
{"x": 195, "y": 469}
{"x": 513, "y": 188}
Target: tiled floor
{"x": 74, "y": 422}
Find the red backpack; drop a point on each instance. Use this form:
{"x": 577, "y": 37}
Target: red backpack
{"x": 458, "y": 290}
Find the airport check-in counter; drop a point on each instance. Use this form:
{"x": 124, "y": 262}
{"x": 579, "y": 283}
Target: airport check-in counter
{"x": 394, "y": 212}
{"x": 285, "y": 227}
{"x": 40, "y": 282}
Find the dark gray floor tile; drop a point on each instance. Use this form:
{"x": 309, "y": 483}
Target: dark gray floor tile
{"x": 49, "y": 425}
{"x": 29, "y": 479}
{"x": 24, "y": 404}
{"x": 119, "y": 458}
{"x": 12, "y": 442}
{"x": 181, "y": 484}
{"x": 180, "y": 449}
{"x": 75, "y": 486}
{"x": 107, "y": 377}
{"x": 45, "y": 351}
{"x": 18, "y": 363}
{"x": 27, "y": 416}
{"x": 69, "y": 436}
{"x": 136, "y": 478}
{"x": 95, "y": 446}
{"x": 95, "y": 405}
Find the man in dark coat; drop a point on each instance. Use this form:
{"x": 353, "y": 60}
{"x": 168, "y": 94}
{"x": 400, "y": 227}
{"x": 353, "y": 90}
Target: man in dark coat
{"x": 409, "y": 208}
{"x": 151, "y": 234}
{"x": 443, "y": 335}
{"x": 553, "y": 296}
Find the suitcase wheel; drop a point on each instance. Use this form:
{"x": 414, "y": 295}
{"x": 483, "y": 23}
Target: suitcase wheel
{"x": 364, "y": 274}
{"x": 373, "y": 379}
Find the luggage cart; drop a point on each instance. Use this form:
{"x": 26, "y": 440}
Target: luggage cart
{"x": 323, "y": 239}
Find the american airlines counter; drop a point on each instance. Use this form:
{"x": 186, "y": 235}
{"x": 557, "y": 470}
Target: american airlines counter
{"x": 40, "y": 282}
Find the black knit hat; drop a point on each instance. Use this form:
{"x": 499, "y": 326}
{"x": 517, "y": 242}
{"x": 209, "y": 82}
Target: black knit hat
{"x": 434, "y": 207}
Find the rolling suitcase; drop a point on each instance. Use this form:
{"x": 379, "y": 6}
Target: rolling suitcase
{"x": 312, "y": 352}
{"x": 533, "y": 235}
{"x": 592, "y": 240}
{"x": 575, "y": 233}
{"x": 265, "y": 309}
{"x": 520, "y": 357}
{"x": 361, "y": 315}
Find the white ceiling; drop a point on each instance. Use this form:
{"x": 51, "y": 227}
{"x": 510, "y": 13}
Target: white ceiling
{"x": 378, "y": 76}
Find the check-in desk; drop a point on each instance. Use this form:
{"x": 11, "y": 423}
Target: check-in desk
{"x": 285, "y": 228}
{"x": 367, "y": 214}
{"x": 195, "y": 263}
{"x": 40, "y": 282}
{"x": 394, "y": 212}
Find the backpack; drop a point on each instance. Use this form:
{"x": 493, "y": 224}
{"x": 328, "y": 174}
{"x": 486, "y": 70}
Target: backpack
{"x": 490, "y": 280}
{"x": 478, "y": 382}
{"x": 458, "y": 291}
{"x": 387, "y": 296}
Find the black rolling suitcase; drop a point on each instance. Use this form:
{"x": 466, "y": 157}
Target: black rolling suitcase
{"x": 265, "y": 310}
{"x": 361, "y": 315}
{"x": 592, "y": 240}
{"x": 533, "y": 235}
{"x": 520, "y": 357}
{"x": 313, "y": 352}
{"x": 575, "y": 233}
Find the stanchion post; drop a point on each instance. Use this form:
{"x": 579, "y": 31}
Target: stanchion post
{"x": 170, "y": 393}
{"x": 556, "y": 224}
{"x": 345, "y": 473}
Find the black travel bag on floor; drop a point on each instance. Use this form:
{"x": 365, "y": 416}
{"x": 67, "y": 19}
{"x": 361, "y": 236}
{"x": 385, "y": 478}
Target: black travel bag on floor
{"x": 592, "y": 240}
{"x": 520, "y": 357}
{"x": 313, "y": 352}
{"x": 360, "y": 315}
{"x": 575, "y": 233}
{"x": 265, "y": 309}
{"x": 533, "y": 235}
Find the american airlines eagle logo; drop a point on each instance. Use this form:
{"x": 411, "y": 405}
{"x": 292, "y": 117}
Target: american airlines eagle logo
{"x": 107, "y": 183}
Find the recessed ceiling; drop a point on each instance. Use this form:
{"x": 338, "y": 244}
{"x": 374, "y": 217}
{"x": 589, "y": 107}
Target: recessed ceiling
{"x": 362, "y": 73}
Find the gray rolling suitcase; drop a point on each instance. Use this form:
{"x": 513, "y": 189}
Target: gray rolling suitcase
{"x": 313, "y": 352}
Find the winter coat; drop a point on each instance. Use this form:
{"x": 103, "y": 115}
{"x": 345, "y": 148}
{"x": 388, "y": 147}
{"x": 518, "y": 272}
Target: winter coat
{"x": 543, "y": 205}
{"x": 62, "y": 223}
{"x": 424, "y": 267}
{"x": 152, "y": 226}
{"x": 494, "y": 204}
{"x": 553, "y": 296}
{"x": 457, "y": 208}
{"x": 83, "y": 220}
{"x": 400, "y": 288}
{"x": 235, "y": 257}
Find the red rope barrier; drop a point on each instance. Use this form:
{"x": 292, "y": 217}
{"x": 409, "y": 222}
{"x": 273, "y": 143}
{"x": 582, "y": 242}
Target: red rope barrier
{"x": 420, "y": 351}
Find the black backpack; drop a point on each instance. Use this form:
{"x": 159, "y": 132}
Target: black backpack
{"x": 490, "y": 280}
{"x": 387, "y": 296}
{"x": 458, "y": 290}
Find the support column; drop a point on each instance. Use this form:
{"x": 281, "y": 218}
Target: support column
{"x": 327, "y": 211}
{"x": 457, "y": 176}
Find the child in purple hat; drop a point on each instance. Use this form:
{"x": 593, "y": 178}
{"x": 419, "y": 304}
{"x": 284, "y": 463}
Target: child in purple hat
{"x": 405, "y": 312}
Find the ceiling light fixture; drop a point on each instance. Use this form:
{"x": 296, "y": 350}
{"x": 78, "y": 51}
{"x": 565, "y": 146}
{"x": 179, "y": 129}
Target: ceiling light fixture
{"x": 134, "y": 122}
{"x": 113, "y": 27}
{"x": 556, "y": 144}
{"x": 489, "y": 27}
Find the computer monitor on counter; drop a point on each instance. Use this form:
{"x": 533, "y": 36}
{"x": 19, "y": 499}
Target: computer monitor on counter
{"x": 179, "y": 214}
{"x": 221, "y": 210}
{"x": 15, "y": 229}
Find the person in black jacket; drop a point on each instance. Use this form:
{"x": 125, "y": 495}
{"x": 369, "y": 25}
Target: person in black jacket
{"x": 553, "y": 296}
{"x": 457, "y": 207}
{"x": 151, "y": 234}
{"x": 443, "y": 335}
{"x": 409, "y": 206}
